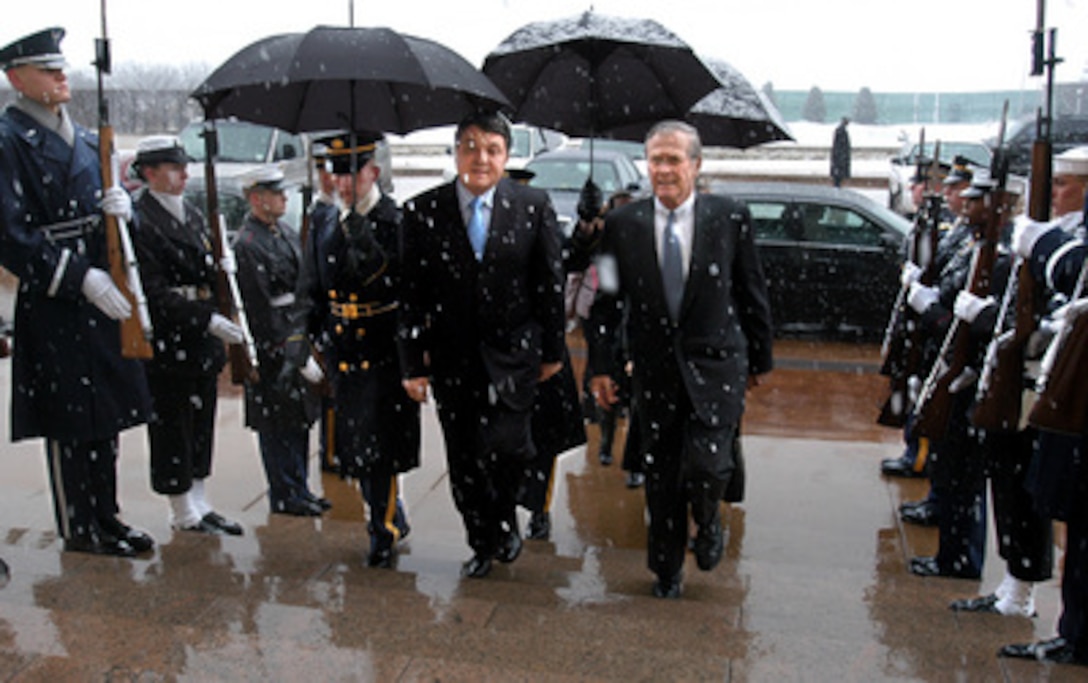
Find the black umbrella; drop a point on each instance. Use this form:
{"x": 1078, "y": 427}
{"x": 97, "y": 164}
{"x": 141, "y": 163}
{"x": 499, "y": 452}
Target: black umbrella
{"x": 735, "y": 115}
{"x": 347, "y": 78}
{"x": 586, "y": 74}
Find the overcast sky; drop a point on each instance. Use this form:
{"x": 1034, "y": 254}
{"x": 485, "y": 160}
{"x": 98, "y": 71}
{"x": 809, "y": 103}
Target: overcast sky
{"x": 906, "y": 45}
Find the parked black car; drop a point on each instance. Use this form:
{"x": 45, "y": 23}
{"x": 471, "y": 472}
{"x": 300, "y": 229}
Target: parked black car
{"x": 831, "y": 257}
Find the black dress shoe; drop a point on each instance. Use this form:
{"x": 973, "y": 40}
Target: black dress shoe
{"x": 510, "y": 547}
{"x": 221, "y": 523}
{"x": 540, "y": 526}
{"x": 986, "y": 604}
{"x": 476, "y": 568}
{"x": 323, "y": 503}
{"x": 605, "y": 456}
{"x": 667, "y": 587}
{"x": 140, "y": 541}
{"x": 1056, "y": 650}
{"x": 381, "y": 557}
{"x": 923, "y": 514}
{"x": 928, "y": 566}
{"x": 900, "y": 467}
{"x": 298, "y": 508}
{"x": 108, "y": 545}
{"x": 635, "y": 479}
{"x": 708, "y": 548}
{"x": 200, "y": 526}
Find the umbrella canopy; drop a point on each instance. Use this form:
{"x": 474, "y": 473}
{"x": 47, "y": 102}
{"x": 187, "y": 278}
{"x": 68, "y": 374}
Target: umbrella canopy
{"x": 347, "y": 78}
{"x": 590, "y": 73}
{"x": 735, "y": 115}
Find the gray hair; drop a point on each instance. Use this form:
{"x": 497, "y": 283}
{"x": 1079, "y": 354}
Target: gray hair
{"x": 695, "y": 145}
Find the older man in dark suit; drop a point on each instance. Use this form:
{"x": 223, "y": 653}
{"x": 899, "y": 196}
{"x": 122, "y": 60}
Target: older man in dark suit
{"x": 685, "y": 268}
{"x": 482, "y": 316}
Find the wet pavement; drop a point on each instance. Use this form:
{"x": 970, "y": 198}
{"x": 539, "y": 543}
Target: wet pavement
{"x": 813, "y": 586}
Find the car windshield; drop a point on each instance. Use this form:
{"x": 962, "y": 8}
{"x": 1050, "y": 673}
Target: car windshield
{"x": 520, "y": 143}
{"x": 571, "y": 174}
{"x": 238, "y": 142}
{"x": 976, "y": 153}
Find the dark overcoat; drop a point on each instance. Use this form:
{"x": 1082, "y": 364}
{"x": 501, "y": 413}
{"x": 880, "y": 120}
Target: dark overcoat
{"x": 269, "y": 259}
{"x": 179, "y": 277}
{"x": 353, "y": 285}
{"x": 723, "y": 334}
{"x": 69, "y": 381}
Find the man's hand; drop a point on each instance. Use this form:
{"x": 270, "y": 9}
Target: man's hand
{"x": 116, "y": 202}
{"x": 1026, "y": 232}
{"x": 968, "y": 306}
{"x": 99, "y": 289}
{"x": 604, "y": 391}
{"x": 225, "y": 329}
{"x": 416, "y": 388}
{"x": 312, "y": 372}
{"x": 549, "y": 370}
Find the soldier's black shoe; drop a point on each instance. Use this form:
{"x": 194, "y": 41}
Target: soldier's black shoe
{"x": 899, "y": 467}
{"x": 476, "y": 568}
{"x": 140, "y": 541}
{"x": 668, "y": 587}
{"x": 983, "y": 603}
{"x": 221, "y": 523}
{"x": 5, "y": 573}
{"x": 1056, "y": 650}
{"x": 540, "y": 526}
{"x": 928, "y": 566}
{"x": 324, "y": 503}
{"x": 708, "y": 547}
{"x": 510, "y": 546}
{"x": 635, "y": 479}
{"x": 298, "y": 508}
{"x": 381, "y": 556}
{"x": 107, "y": 545}
{"x": 922, "y": 514}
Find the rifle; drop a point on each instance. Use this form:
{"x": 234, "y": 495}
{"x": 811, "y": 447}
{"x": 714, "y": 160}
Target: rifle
{"x": 136, "y": 331}
{"x": 933, "y": 411}
{"x": 1062, "y": 406}
{"x": 902, "y": 348}
{"x": 228, "y": 297}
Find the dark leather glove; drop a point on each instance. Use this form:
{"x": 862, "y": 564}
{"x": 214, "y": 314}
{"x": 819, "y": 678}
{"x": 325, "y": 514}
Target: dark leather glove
{"x": 590, "y": 201}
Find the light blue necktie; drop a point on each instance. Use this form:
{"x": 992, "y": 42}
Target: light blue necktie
{"x": 477, "y": 228}
{"x": 672, "y": 269}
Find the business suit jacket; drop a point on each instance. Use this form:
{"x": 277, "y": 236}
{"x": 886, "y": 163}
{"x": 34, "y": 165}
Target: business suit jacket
{"x": 724, "y": 330}
{"x": 504, "y": 312}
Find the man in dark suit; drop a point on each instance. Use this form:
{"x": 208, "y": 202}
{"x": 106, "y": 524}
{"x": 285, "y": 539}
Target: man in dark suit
{"x": 482, "y": 317}
{"x": 684, "y": 269}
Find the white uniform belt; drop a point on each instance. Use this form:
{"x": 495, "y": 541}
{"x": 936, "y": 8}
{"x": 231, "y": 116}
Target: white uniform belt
{"x": 193, "y": 292}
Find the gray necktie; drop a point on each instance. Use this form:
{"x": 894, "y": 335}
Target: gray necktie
{"x": 672, "y": 269}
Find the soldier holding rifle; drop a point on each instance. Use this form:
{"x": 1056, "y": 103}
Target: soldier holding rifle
{"x": 174, "y": 245}
{"x": 1058, "y": 479}
{"x": 942, "y": 415}
{"x": 71, "y": 384}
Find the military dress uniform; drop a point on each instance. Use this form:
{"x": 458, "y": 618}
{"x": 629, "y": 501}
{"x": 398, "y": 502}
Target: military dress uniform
{"x": 355, "y": 295}
{"x": 177, "y": 262}
{"x": 281, "y": 412}
{"x": 70, "y": 383}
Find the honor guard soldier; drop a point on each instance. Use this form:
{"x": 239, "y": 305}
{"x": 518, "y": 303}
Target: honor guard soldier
{"x": 281, "y": 403}
{"x": 354, "y": 287}
{"x": 174, "y": 247}
{"x": 70, "y": 383}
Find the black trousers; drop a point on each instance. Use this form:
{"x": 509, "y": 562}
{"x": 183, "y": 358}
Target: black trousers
{"x": 181, "y": 430}
{"x": 83, "y": 477}
{"x": 1025, "y": 538}
{"x": 958, "y": 477}
{"x": 387, "y": 523}
{"x": 676, "y": 482}
{"x": 488, "y": 446}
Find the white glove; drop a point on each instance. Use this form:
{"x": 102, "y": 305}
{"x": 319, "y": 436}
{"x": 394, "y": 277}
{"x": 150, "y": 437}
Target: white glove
{"x": 227, "y": 262}
{"x": 224, "y": 328}
{"x": 966, "y": 379}
{"x": 99, "y": 289}
{"x": 968, "y": 306}
{"x": 1026, "y": 232}
{"x": 911, "y": 272}
{"x": 116, "y": 202}
{"x": 1068, "y": 313}
{"x": 311, "y": 372}
{"x": 921, "y": 297}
